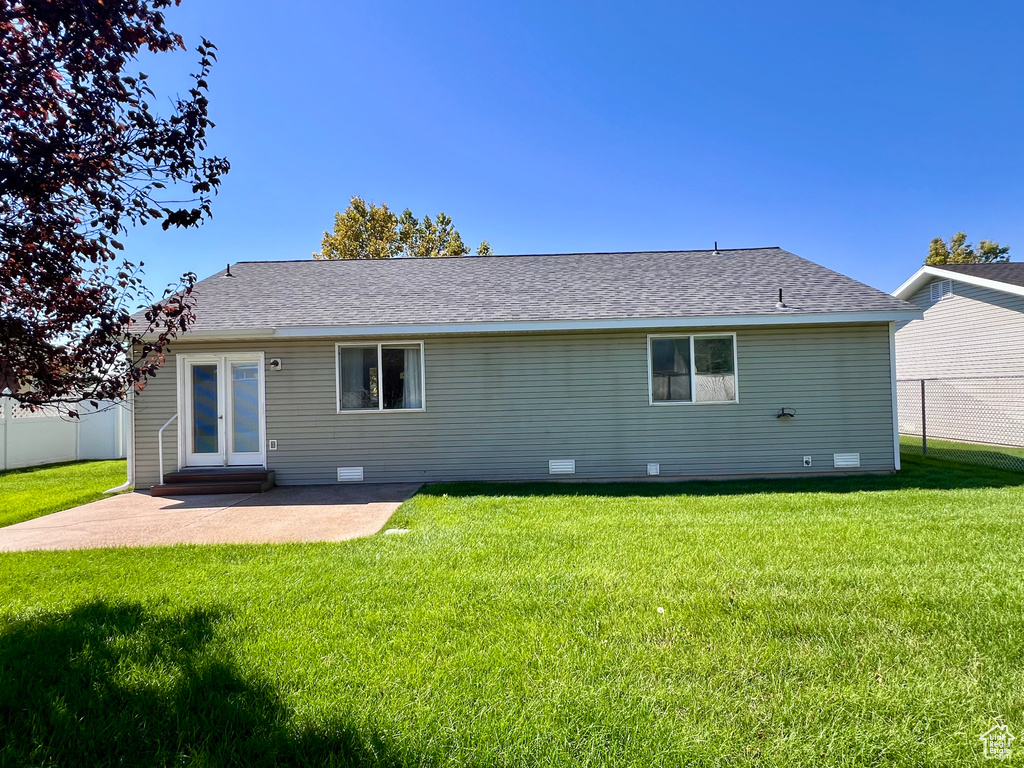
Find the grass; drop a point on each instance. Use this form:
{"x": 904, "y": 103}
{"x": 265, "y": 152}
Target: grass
{"x": 37, "y": 491}
{"x": 857, "y": 621}
{"x": 1005, "y": 457}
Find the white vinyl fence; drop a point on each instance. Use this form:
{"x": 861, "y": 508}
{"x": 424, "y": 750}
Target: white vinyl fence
{"x": 43, "y": 437}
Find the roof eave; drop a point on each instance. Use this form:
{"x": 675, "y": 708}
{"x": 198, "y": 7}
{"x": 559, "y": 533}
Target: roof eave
{"x": 926, "y": 273}
{"x": 541, "y": 326}
{"x": 218, "y": 334}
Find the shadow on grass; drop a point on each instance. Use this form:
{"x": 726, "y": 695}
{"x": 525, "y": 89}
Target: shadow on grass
{"x": 120, "y": 685}
{"x": 918, "y": 473}
{"x": 968, "y": 453}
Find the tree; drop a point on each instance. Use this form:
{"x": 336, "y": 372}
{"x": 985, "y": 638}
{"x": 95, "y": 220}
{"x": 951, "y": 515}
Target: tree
{"x": 484, "y": 249}
{"x": 370, "y": 231}
{"x": 425, "y": 239}
{"x": 83, "y": 156}
{"x": 959, "y": 251}
{"x": 362, "y": 232}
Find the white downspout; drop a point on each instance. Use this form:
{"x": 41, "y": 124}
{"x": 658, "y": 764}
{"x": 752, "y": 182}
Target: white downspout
{"x": 131, "y": 446}
{"x": 895, "y": 396}
{"x": 3, "y": 423}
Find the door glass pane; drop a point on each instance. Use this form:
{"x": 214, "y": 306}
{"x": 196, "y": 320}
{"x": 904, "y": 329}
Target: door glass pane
{"x": 357, "y": 370}
{"x": 716, "y": 375}
{"x": 245, "y": 405}
{"x": 204, "y": 409}
{"x": 670, "y": 369}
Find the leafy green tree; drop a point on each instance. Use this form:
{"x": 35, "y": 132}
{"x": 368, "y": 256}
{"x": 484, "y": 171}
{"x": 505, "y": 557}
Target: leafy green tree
{"x": 362, "y": 232}
{"x": 408, "y": 234}
{"x": 484, "y": 249}
{"x": 369, "y": 231}
{"x": 440, "y": 238}
{"x": 959, "y": 251}
{"x": 430, "y": 238}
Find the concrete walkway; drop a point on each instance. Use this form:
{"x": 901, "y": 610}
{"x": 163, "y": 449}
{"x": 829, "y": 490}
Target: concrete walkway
{"x": 294, "y": 513}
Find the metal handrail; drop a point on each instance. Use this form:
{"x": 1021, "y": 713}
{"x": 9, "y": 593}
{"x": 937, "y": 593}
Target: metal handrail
{"x": 160, "y": 442}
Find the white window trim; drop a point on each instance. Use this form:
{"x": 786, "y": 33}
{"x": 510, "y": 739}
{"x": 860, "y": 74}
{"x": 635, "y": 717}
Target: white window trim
{"x": 380, "y": 367}
{"x": 693, "y": 369}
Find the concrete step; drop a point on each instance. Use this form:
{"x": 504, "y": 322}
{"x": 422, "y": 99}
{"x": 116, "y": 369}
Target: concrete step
{"x": 219, "y": 475}
{"x": 195, "y": 489}
{"x": 192, "y": 482}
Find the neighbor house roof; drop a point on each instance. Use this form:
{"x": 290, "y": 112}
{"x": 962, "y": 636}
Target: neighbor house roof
{"x": 1005, "y": 276}
{"x": 533, "y": 292}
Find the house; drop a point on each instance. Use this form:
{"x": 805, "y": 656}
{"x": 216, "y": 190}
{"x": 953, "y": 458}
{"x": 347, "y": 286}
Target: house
{"x": 585, "y": 366}
{"x": 968, "y": 349}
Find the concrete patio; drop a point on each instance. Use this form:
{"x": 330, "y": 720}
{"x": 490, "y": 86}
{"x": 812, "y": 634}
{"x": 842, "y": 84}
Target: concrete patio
{"x": 291, "y": 513}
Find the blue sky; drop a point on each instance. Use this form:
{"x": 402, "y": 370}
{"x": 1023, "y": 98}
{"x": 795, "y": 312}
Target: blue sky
{"x": 848, "y": 133}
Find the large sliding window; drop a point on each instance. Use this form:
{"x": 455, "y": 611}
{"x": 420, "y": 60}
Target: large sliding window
{"x": 698, "y": 368}
{"x": 380, "y": 377}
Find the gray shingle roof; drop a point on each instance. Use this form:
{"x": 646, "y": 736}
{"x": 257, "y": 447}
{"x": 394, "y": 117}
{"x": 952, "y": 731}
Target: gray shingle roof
{"x": 1010, "y": 272}
{"x": 555, "y": 287}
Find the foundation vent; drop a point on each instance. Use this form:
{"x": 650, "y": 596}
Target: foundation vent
{"x": 562, "y": 467}
{"x": 845, "y": 460}
{"x": 350, "y": 474}
{"x": 654, "y": 469}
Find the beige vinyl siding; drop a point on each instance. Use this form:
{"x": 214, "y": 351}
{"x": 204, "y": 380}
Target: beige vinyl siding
{"x": 973, "y": 340}
{"x": 501, "y": 406}
{"x": 975, "y": 332}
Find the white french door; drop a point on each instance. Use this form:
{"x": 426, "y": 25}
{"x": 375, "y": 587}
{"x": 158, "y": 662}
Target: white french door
{"x": 221, "y": 410}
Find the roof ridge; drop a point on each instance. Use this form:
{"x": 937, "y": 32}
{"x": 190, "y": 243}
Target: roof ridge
{"x": 519, "y": 255}
{"x": 979, "y": 264}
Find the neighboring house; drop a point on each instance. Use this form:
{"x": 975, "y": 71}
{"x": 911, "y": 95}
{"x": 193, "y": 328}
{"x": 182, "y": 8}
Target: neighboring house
{"x": 587, "y": 366}
{"x": 969, "y": 347}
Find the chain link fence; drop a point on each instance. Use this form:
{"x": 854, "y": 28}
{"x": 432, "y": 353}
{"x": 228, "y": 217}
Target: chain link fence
{"x": 974, "y": 420}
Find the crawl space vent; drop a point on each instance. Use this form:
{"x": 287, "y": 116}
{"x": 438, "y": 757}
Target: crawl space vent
{"x": 654, "y": 469}
{"x": 562, "y": 467}
{"x": 350, "y": 474}
{"x": 842, "y": 460}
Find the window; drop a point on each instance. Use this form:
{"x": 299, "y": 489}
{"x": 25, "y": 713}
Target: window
{"x": 941, "y": 289}
{"x": 692, "y": 369}
{"x": 380, "y": 377}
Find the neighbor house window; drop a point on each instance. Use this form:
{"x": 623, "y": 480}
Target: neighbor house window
{"x": 693, "y": 369}
{"x": 380, "y": 377}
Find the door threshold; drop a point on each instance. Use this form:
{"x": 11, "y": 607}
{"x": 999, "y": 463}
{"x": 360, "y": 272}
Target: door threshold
{"x": 232, "y": 468}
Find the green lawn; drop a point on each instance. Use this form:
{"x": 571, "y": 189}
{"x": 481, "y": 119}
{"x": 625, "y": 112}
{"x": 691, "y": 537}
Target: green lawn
{"x": 36, "y": 491}
{"x": 1005, "y": 457}
{"x": 857, "y": 621}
